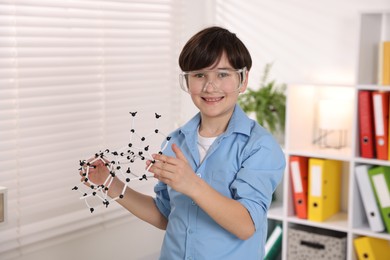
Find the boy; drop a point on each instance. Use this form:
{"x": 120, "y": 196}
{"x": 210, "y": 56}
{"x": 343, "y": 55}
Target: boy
{"x": 217, "y": 178}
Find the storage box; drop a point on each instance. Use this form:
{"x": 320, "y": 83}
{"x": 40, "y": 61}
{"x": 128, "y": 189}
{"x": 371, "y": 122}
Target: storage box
{"x": 308, "y": 243}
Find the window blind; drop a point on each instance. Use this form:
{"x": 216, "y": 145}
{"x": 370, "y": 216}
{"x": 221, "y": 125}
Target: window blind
{"x": 70, "y": 73}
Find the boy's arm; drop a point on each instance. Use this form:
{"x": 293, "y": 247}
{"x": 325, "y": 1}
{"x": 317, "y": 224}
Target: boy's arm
{"x": 241, "y": 214}
{"x": 227, "y": 212}
{"x": 141, "y": 205}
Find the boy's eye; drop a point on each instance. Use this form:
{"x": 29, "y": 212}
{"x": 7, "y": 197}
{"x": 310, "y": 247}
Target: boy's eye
{"x": 223, "y": 74}
{"x": 198, "y": 75}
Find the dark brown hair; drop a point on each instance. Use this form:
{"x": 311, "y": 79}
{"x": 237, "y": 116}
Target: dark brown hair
{"x": 206, "y": 47}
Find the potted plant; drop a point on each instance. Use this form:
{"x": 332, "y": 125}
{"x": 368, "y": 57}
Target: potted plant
{"x": 267, "y": 104}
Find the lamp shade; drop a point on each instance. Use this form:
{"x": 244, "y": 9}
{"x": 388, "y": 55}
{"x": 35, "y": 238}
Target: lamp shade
{"x": 334, "y": 114}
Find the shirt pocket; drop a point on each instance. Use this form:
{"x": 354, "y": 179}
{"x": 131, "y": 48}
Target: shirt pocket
{"x": 221, "y": 180}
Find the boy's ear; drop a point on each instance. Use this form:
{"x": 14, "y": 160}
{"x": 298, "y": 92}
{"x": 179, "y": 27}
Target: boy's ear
{"x": 245, "y": 83}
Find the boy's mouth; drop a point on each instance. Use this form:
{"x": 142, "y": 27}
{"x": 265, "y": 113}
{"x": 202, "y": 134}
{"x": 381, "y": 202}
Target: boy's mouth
{"x": 212, "y": 99}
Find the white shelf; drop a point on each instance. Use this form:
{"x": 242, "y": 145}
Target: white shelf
{"x": 338, "y": 222}
{"x": 275, "y": 212}
{"x": 360, "y": 160}
{"x": 366, "y": 231}
{"x": 343, "y": 154}
{"x": 301, "y": 125}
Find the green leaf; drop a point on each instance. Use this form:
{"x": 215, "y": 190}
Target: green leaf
{"x": 268, "y": 103}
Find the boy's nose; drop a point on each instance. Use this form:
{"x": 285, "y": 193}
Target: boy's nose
{"x": 206, "y": 86}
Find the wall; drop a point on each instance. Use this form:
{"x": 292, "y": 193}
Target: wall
{"x": 132, "y": 239}
{"x": 308, "y": 41}
{"x": 196, "y": 16}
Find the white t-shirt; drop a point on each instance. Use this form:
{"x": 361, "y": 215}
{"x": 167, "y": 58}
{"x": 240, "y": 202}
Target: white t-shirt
{"x": 204, "y": 144}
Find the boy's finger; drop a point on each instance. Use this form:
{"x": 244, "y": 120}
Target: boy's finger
{"x": 179, "y": 154}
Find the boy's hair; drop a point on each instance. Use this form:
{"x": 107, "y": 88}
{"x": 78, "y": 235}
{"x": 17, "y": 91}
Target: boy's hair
{"x": 206, "y": 47}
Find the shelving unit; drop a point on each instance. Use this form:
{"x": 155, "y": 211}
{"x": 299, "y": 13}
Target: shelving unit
{"x": 301, "y": 125}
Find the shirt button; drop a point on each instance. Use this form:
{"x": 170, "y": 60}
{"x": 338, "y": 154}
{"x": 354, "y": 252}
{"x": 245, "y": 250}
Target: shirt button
{"x": 190, "y": 231}
{"x": 193, "y": 203}
{"x": 189, "y": 258}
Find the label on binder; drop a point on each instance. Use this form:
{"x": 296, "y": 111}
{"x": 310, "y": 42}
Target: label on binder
{"x": 379, "y": 124}
{"x": 381, "y": 190}
{"x": 296, "y": 175}
{"x": 316, "y": 181}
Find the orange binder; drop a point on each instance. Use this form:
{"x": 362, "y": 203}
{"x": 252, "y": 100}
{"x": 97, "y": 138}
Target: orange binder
{"x": 299, "y": 176}
{"x": 380, "y": 101}
{"x": 366, "y": 124}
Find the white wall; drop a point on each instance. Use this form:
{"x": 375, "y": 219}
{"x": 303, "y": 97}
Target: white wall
{"x": 197, "y": 15}
{"x": 308, "y": 41}
{"x": 131, "y": 239}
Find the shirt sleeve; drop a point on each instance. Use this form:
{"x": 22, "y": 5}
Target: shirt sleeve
{"x": 260, "y": 174}
{"x": 162, "y": 200}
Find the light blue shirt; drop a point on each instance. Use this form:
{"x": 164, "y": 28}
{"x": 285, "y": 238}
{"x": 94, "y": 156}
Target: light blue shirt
{"x": 246, "y": 164}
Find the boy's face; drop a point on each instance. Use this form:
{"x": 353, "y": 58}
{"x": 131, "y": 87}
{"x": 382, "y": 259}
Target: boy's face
{"x": 212, "y": 101}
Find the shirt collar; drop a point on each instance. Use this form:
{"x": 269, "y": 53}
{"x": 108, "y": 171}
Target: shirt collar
{"x": 239, "y": 123}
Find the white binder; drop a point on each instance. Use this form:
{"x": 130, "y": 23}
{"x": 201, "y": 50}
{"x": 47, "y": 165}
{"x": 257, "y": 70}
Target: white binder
{"x": 369, "y": 202}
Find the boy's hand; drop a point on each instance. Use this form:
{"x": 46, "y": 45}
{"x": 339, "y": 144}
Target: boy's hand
{"x": 175, "y": 172}
{"x": 97, "y": 173}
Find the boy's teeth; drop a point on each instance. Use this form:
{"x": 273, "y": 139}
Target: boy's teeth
{"x": 212, "y": 99}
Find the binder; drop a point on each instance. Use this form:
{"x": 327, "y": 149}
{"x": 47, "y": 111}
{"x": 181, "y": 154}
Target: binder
{"x": 371, "y": 248}
{"x": 384, "y": 63}
{"x": 324, "y": 189}
{"x": 380, "y": 181}
{"x": 273, "y": 244}
{"x": 380, "y": 102}
{"x": 366, "y": 124}
{"x": 368, "y": 197}
{"x": 299, "y": 176}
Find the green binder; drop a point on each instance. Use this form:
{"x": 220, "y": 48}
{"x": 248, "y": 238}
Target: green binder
{"x": 273, "y": 245}
{"x": 380, "y": 181}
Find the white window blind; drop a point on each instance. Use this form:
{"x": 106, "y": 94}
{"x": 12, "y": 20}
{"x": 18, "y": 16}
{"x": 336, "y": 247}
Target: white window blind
{"x": 70, "y": 72}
